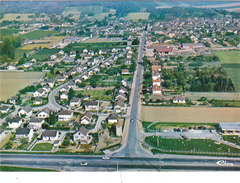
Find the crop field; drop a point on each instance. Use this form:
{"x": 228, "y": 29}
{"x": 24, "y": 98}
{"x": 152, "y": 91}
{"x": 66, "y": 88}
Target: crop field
{"x": 8, "y": 32}
{"x": 46, "y": 42}
{"x": 213, "y": 95}
{"x": 98, "y": 46}
{"x": 11, "y": 82}
{"x": 190, "y": 114}
{"x": 38, "y": 34}
{"x": 137, "y": 16}
{"x": 88, "y": 12}
{"x": 17, "y": 17}
{"x": 230, "y": 61}
{"x": 44, "y": 53}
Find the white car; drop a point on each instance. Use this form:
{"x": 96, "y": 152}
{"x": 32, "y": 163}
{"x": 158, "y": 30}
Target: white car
{"x": 83, "y": 163}
{"x": 105, "y": 157}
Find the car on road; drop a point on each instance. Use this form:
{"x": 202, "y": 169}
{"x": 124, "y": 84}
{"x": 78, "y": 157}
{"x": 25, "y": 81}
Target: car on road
{"x": 105, "y": 157}
{"x": 83, "y": 163}
{"x": 131, "y": 120}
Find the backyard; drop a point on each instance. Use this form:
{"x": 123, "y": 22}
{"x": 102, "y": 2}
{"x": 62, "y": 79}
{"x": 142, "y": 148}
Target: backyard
{"x": 42, "y": 147}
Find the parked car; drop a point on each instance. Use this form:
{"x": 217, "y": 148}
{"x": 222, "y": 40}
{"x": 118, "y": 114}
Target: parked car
{"x": 105, "y": 157}
{"x": 83, "y": 163}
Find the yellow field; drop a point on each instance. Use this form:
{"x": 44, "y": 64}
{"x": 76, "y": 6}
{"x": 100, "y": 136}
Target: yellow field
{"x": 137, "y": 16}
{"x": 190, "y": 114}
{"x": 46, "y": 42}
{"x": 11, "y": 17}
{"x": 11, "y": 82}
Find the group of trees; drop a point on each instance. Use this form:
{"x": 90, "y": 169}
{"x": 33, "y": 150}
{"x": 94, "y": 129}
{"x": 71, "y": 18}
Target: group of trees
{"x": 30, "y": 88}
{"x": 7, "y": 48}
{"x": 206, "y": 79}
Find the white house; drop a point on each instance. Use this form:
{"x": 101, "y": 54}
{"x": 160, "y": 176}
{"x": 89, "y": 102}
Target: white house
{"x": 64, "y": 96}
{"x": 12, "y": 68}
{"x": 37, "y": 101}
{"x": 39, "y": 93}
{"x": 179, "y": 99}
{"x": 15, "y": 122}
{"x": 44, "y": 113}
{"x": 65, "y": 115}
{"x": 50, "y": 135}
{"x": 86, "y": 118}
{"x": 24, "y": 133}
{"x": 4, "y": 109}
{"x": 112, "y": 118}
{"x": 36, "y": 123}
{"x": 75, "y": 102}
{"x": 91, "y": 106}
{"x": 26, "y": 111}
{"x": 13, "y": 99}
{"x": 82, "y": 136}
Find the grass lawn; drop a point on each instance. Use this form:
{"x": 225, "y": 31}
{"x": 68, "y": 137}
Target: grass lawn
{"x": 97, "y": 95}
{"x": 162, "y": 125}
{"x": 230, "y": 61}
{"x": 231, "y": 138}
{"x": 42, "y": 147}
{"x": 4, "y": 168}
{"x": 196, "y": 145}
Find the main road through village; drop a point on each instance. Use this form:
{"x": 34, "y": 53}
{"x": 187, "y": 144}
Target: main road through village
{"x": 130, "y": 156}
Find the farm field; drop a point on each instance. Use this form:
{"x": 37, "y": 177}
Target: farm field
{"x": 7, "y": 32}
{"x": 12, "y": 81}
{"x": 137, "y": 16}
{"x": 46, "y": 42}
{"x": 190, "y": 114}
{"x": 17, "y": 17}
{"x": 213, "y": 95}
{"x": 230, "y": 61}
{"x": 42, "y": 147}
{"x": 97, "y": 46}
{"x": 44, "y": 53}
{"x": 38, "y": 34}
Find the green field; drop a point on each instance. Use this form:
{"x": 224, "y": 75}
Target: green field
{"x": 195, "y": 145}
{"x": 42, "y": 147}
{"x": 44, "y": 53}
{"x": 231, "y": 138}
{"x": 97, "y": 46}
{"x": 137, "y": 16}
{"x": 23, "y": 169}
{"x": 38, "y": 34}
{"x": 16, "y": 17}
{"x": 7, "y": 32}
{"x": 230, "y": 61}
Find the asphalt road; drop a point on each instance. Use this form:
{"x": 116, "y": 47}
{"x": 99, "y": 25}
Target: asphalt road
{"x": 96, "y": 163}
{"x": 132, "y": 141}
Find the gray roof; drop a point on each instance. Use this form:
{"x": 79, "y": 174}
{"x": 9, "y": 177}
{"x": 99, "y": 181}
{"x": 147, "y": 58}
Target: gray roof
{"x": 75, "y": 99}
{"x": 65, "y": 112}
{"x": 113, "y": 116}
{"x": 4, "y": 107}
{"x": 49, "y": 133}
{"x": 46, "y": 110}
{"x": 230, "y": 126}
{"x": 27, "y": 108}
{"x": 35, "y": 120}
{"x": 83, "y": 130}
{"x": 87, "y": 103}
{"x": 15, "y": 119}
{"x": 1, "y": 131}
{"x": 178, "y": 97}
{"x": 22, "y": 131}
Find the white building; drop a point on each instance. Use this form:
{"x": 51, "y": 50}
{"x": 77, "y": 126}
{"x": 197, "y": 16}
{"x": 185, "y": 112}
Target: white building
{"x": 65, "y": 115}
{"x": 82, "y": 136}
{"x": 50, "y": 135}
{"x": 15, "y": 122}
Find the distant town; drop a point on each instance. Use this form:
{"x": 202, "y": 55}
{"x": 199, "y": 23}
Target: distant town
{"x": 129, "y": 87}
